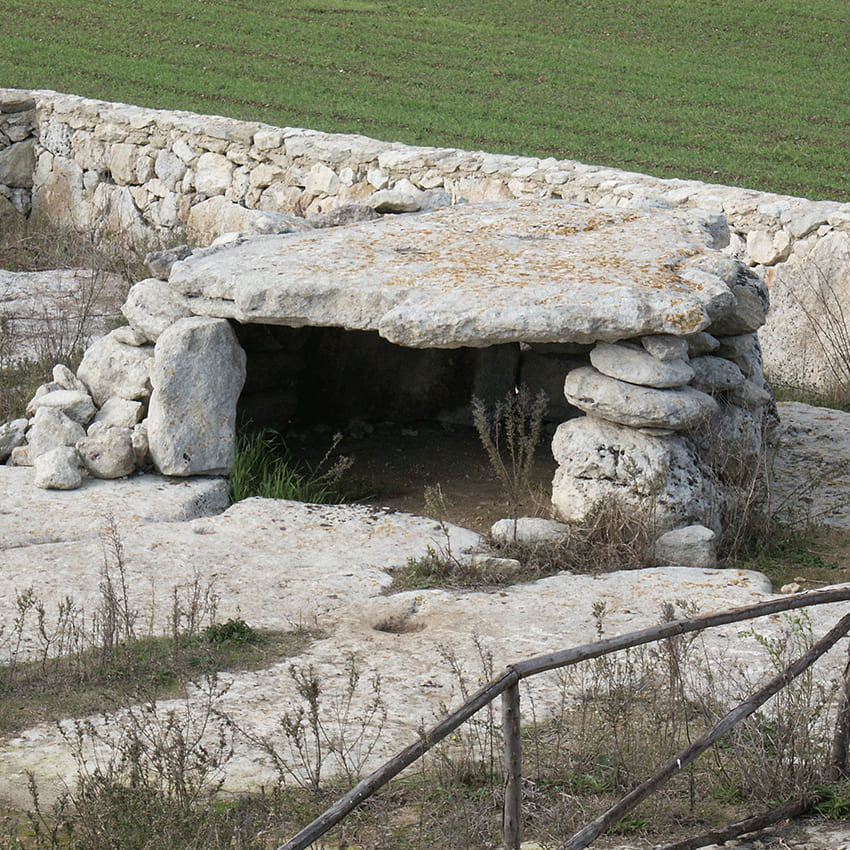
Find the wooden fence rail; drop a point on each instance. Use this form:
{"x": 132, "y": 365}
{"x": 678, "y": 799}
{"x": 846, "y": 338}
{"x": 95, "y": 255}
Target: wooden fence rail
{"x": 506, "y": 686}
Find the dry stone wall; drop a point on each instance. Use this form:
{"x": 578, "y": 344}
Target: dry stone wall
{"x": 150, "y": 173}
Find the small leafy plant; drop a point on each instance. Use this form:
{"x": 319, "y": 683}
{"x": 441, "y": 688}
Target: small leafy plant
{"x": 510, "y": 434}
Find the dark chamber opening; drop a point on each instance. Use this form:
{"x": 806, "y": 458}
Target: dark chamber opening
{"x": 303, "y": 377}
{"x": 404, "y": 413}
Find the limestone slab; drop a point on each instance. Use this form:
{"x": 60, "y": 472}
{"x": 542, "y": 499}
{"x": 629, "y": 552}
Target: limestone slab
{"x": 640, "y": 407}
{"x": 473, "y": 275}
{"x": 29, "y": 516}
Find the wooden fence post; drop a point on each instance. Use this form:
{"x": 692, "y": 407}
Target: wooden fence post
{"x": 512, "y": 819}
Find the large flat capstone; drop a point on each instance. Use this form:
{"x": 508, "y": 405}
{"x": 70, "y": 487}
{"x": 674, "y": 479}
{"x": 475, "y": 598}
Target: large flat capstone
{"x": 475, "y": 275}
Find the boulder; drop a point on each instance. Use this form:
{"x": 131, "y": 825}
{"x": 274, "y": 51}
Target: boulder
{"x": 110, "y": 367}
{"x": 753, "y": 394}
{"x": 715, "y": 374}
{"x": 345, "y": 214}
{"x": 66, "y": 379}
{"x": 666, "y": 347}
{"x": 213, "y": 174}
{"x": 139, "y": 440}
{"x": 691, "y": 546}
{"x": 122, "y": 163}
{"x": 115, "y": 208}
{"x": 76, "y": 405}
{"x": 169, "y": 168}
{"x": 118, "y": 412}
{"x": 767, "y": 248}
{"x": 216, "y": 216}
{"x": 197, "y": 375}
{"x": 635, "y": 365}
{"x": 530, "y": 530}
{"x": 20, "y": 456}
{"x": 108, "y": 454}
{"x": 12, "y": 435}
{"x": 601, "y": 464}
{"x": 740, "y": 345}
{"x": 51, "y": 429}
{"x": 701, "y": 343}
{"x": 750, "y": 310}
{"x": 152, "y": 306}
{"x": 160, "y": 262}
{"x": 17, "y": 164}
{"x": 57, "y": 469}
{"x": 59, "y": 197}
{"x": 392, "y": 201}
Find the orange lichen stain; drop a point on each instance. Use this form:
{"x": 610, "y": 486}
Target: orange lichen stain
{"x": 688, "y": 320}
{"x": 596, "y": 221}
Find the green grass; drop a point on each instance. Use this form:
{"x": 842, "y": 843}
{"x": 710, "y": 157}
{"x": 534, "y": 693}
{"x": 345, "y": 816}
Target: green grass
{"x": 750, "y": 94}
{"x": 265, "y": 467}
{"x": 87, "y": 683}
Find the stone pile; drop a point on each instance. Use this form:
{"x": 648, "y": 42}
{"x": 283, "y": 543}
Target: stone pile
{"x": 151, "y": 173}
{"x": 130, "y": 405}
{"x": 672, "y": 423}
{"x": 18, "y": 136}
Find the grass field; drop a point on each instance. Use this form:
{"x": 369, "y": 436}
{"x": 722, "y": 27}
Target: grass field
{"x": 750, "y": 92}
{"x": 744, "y": 92}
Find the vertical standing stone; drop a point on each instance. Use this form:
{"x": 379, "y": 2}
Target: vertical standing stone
{"x": 198, "y": 373}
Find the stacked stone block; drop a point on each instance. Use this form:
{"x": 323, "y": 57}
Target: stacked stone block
{"x": 674, "y": 426}
{"x": 17, "y": 154}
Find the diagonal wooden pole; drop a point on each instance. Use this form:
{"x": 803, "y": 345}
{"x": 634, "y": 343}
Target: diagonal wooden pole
{"x": 592, "y": 831}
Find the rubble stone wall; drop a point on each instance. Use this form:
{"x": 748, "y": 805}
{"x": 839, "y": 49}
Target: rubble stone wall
{"x": 148, "y": 174}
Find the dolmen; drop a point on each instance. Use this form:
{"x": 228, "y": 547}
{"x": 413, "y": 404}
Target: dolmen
{"x": 640, "y": 326}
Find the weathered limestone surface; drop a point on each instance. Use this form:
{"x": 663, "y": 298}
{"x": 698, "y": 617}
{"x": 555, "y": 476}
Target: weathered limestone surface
{"x": 29, "y": 517}
{"x": 542, "y": 271}
{"x": 279, "y": 563}
{"x": 805, "y": 338}
{"x": 811, "y": 465}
